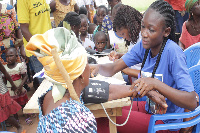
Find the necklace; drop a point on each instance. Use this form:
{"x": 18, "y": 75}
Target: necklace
{"x": 194, "y": 27}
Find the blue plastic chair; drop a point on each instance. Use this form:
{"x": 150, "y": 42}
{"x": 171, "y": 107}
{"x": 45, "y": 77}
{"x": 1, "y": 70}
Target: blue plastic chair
{"x": 192, "y": 54}
{"x": 3, "y": 126}
{"x": 195, "y": 75}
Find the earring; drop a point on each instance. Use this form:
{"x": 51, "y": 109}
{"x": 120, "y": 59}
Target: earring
{"x": 82, "y": 80}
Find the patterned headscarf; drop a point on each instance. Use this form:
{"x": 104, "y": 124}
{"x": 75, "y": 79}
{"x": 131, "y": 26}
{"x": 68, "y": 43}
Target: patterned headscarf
{"x": 189, "y": 4}
{"x": 71, "y": 52}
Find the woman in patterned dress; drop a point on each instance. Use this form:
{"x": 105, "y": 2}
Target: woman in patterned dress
{"x": 10, "y": 33}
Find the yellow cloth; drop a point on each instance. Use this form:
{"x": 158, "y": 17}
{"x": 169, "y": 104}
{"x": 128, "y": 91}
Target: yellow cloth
{"x": 71, "y": 52}
{"x": 37, "y": 14}
{"x": 61, "y": 11}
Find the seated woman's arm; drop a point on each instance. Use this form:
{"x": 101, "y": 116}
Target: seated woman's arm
{"x": 108, "y": 69}
{"x": 121, "y": 91}
{"x": 131, "y": 72}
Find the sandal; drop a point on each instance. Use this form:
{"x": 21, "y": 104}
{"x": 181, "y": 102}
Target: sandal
{"x": 29, "y": 121}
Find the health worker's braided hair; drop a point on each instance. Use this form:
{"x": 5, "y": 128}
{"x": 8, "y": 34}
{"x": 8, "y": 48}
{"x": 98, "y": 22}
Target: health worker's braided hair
{"x": 166, "y": 10}
{"x": 128, "y": 17}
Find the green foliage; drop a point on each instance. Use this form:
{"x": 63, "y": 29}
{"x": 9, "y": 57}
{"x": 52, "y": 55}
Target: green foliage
{"x": 140, "y": 5}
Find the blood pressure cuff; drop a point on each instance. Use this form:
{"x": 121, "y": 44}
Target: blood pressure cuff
{"x": 96, "y": 92}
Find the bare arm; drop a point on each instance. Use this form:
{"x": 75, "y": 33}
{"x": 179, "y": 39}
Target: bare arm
{"x": 109, "y": 69}
{"x": 19, "y": 34}
{"x": 24, "y": 79}
{"x": 181, "y": 45}
{"x": 131, "y": 72}
{"x": 20, "y": 45}
{"x": 88, "y": 10}
{"x": 119, "y": 91}
{"x": 3, "y": 70}
{"x": 180, "y": 98}
{"x": 114, "y": 55}
{"x": 95, "y": 5}
{"x": 52, "y": 6}
{"x": 25, "y": 31}
{"x": 76, "y": 8}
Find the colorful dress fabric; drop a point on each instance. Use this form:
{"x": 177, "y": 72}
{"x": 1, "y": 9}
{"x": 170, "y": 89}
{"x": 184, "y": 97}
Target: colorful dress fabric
{"x": 62, "y": 10}
{"x": 7, "y": 105}
{"x": 106, "y": 24}
{"x": 15, "y": 73}
{"x": 8, "y": 26}
{"x": 69, "y": 117}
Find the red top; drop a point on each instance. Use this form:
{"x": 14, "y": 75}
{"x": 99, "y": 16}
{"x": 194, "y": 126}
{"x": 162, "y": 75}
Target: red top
{"x": 177, "y": 4}
{"x": 188, "y": 39}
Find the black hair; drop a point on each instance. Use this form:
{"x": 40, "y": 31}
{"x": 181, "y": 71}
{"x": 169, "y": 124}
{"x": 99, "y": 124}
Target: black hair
{"x": 83, "y": 16}
{"x": 112, "y": 0}
{"x": 117, "y": 6}
{"x": 100, "y": 33}
{"x": 13, "y": 49}
{"x": 72, "y": 18}
{"x": 102, "y": 6}
{"x": 166, "y": 10}
{"x": 90, "y": 28}
{"x": 128, "y": 17}
{"x": 83, "y": 10}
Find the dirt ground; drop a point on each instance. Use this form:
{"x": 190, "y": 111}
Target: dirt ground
{"x": 29, "y": 128}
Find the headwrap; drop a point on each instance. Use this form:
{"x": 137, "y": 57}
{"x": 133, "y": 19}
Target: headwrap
{"x": 71, "y": 52}
{"x": 189, "y": 4}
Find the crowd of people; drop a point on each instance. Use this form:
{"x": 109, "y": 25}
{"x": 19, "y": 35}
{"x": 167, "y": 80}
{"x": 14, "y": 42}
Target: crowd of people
{"x": 146, "y": 47}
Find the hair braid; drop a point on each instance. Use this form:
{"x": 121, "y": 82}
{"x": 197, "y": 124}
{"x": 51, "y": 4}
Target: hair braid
{"x": 128, "y": 17}
{"x": 158, "y": 58}
{"x": 144, "y": 60}
{"x": 166, "y": 10}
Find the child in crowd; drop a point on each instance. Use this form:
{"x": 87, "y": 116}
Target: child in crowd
{"x": 83, "y": 10}
{"x": 60, "y": 8}
{"x": 118, "y": 43}
{"x": 107, "y": 21}
{"x": 101, "y": 13}
{"x": 91, "y": 29}
{"x": 86, "y": 42}
{"x": 17, "y": 72}
{"x": 7, "y": 105}
{"x": 53, "y": 106}
{"x": 132, "y": 16}
{"x": 163, "y": 70}
{"x": 100, "y": 41}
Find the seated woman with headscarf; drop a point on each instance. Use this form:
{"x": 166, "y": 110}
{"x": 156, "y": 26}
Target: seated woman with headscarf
{"x": 59, "y": 112}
